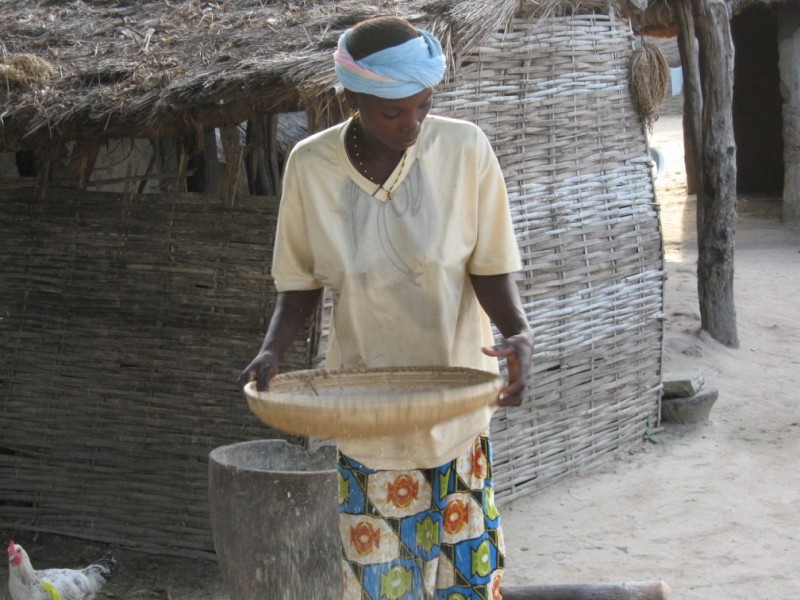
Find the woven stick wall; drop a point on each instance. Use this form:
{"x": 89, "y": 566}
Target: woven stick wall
{"x": 553, "y": 96}
{"x": 124, "y": 319}
{"x": 125, "y": 322}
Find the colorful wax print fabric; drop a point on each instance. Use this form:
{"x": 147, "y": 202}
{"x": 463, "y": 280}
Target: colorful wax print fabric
{"x": 426, "y": 534}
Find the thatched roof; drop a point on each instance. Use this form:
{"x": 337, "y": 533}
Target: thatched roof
{"x": 103, "y": 68}
{"x": 655, "y": 17}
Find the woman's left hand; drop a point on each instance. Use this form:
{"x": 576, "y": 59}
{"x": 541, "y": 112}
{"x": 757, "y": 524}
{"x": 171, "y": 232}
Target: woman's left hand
{"x": 517, "y": 350}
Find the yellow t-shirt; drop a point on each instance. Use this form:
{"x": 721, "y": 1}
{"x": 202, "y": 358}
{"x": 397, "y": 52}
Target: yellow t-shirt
{"x": 398, "y": 270}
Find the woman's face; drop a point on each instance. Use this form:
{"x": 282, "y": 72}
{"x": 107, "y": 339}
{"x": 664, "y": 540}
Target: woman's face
{"x": 394, "y": 124}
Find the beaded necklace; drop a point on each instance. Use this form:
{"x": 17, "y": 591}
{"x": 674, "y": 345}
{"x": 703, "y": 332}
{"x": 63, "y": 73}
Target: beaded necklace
{"x": 359, "y": 159}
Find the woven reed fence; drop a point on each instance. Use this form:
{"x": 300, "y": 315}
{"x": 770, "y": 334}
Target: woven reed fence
{"x": 553, "y": 97}
{"x": 124, "y": 322}
{"x": 125, "y": 319}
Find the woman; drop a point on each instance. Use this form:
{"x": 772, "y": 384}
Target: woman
{"x": 405, "y": 217}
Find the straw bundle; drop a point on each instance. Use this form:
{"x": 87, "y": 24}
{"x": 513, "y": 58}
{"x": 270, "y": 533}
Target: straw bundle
{"x": 649, "y": 77}
{"x": 25, "y": 69}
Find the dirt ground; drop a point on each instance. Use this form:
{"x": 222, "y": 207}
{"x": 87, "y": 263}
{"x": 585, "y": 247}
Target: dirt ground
{"x": 713, "y": 509}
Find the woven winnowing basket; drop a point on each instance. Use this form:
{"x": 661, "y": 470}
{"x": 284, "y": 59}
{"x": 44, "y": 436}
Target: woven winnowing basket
{"x": 360, "y": 403}
{"x": 553, "y": 97}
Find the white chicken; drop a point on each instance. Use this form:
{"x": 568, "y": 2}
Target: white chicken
{"x": 26, "y": 583}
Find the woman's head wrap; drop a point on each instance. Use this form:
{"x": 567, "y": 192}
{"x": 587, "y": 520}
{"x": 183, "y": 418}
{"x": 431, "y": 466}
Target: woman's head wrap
{"x": 394, "y": 72}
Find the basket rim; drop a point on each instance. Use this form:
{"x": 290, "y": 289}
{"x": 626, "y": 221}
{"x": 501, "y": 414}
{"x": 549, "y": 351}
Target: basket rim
{"x": 366, "y": 414}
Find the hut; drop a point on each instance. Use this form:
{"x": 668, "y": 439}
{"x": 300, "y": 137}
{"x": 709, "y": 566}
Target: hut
{"x": 740, "y": 64}
{"x": 142, "y": 146}
{"x": 764, "y": 100}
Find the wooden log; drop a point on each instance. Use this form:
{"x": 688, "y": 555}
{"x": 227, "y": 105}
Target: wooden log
{"x": 81, "y": 162}
{"x": 137, "y": 178}
{"x": 647, "y": 590}
{"x": 716, "y": 201}
{"x": 262, "y": 177}
{"x": 209, "y": 159}
{"x": 692, "y": 95}
{"x": 272, "y": 151}
{"x": 789, "y": 65}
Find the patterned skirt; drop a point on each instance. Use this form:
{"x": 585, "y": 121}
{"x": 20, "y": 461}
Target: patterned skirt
{"x": 426, "y": 534}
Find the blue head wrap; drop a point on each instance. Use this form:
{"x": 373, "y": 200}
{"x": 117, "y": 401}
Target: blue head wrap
{"x": 395, "y": 72}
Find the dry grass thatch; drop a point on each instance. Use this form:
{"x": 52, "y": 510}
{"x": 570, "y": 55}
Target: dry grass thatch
{"x": 657, "y": 18}
{"x": 25, "y": 70}
{"x": 649, "y": 78}
{"x": 162, "y": 68}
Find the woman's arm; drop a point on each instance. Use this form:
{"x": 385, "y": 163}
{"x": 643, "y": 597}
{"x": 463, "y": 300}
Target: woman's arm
{"x": 499, "y": 297}
{"x": 292, "y": 310}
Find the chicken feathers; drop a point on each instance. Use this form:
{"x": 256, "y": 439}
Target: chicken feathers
{"x": 26, "y": 583}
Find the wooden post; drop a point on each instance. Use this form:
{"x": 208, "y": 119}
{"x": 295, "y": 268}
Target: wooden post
{"x": 272, "y": 152}
{"x": 716, "y": 200}
{"x": 692, "y": 95}
{"x": 169, "y": 162}
{"x": 262, "y": 163}
{"x": 233, "y": 149}
{"x": 209, "y": 156}
{"x": 789, "y": 66}
{"x": 81, "y": 163}
{"x": 651, "y": 590}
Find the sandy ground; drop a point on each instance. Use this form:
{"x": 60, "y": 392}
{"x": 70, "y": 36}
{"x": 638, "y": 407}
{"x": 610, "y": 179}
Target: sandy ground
{"x": 713, "y": 509}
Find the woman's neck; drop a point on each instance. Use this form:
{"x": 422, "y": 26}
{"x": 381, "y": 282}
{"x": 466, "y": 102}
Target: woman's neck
{"x": 369, "y": 156}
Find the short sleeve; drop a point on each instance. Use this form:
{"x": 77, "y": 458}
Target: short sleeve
{"x": 496, "y": 251}
{"x": 293, "y": 259}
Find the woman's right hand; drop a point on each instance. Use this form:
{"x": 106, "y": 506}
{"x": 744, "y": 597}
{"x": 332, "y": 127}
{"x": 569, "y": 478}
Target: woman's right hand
{"x": 261, "y": 369}
{"x": 292, "y": 310}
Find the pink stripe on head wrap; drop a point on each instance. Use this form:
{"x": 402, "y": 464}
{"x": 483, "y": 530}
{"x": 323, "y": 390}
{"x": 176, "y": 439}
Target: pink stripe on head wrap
{"x": 394, "y": 72}
{"x": 343, "y": 60}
